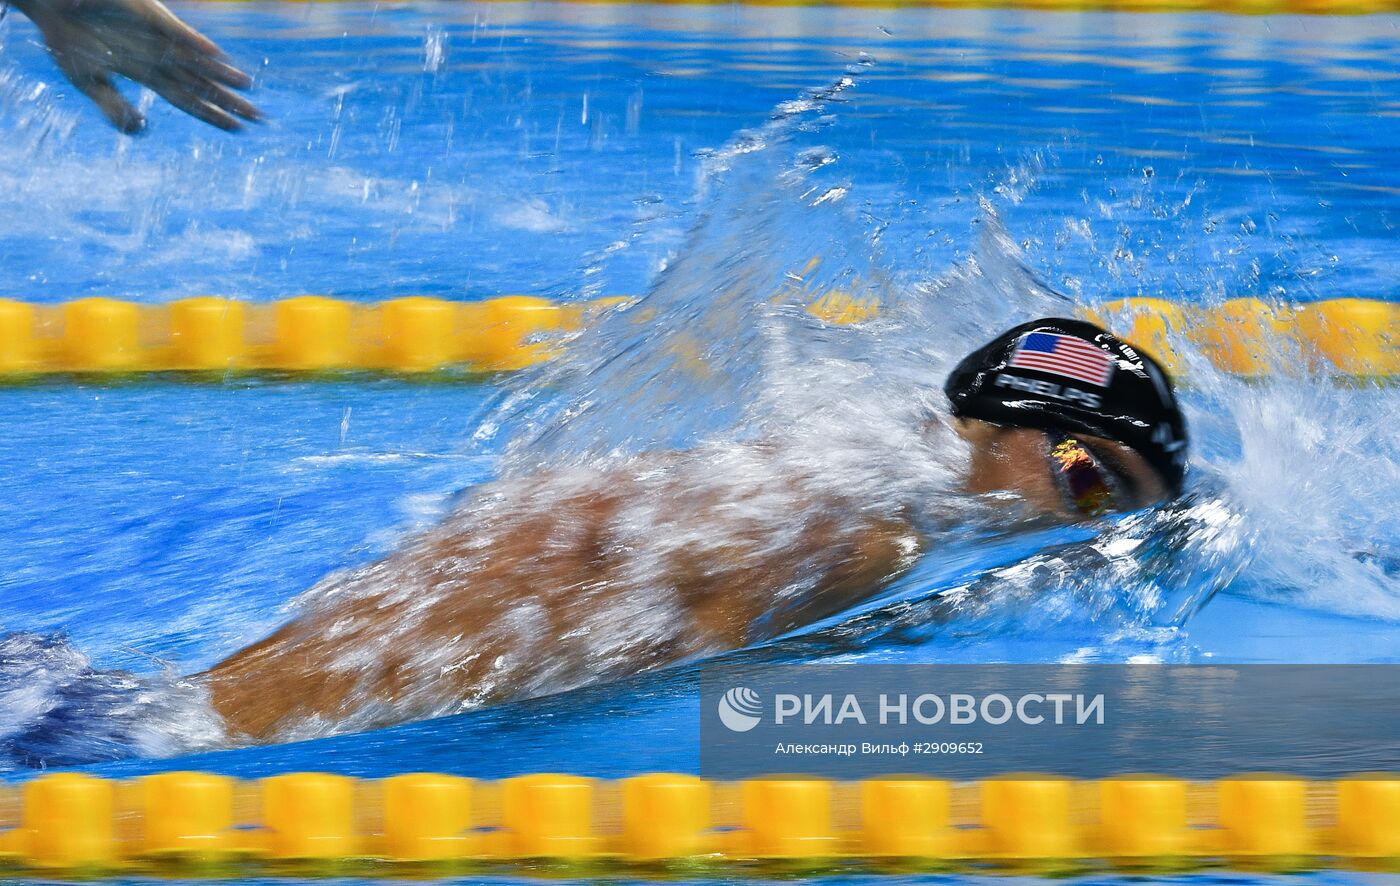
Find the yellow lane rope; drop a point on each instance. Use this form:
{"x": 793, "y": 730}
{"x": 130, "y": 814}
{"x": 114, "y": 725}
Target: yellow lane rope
{"x": 1347, "y": 336}
{"x": 74, "y": 821}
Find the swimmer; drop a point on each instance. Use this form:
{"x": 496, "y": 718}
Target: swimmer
{"x": 141, "y": 40}
{"x": 539, "y": 587}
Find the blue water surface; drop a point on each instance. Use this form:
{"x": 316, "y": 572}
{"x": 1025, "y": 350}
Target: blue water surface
{"x": 469, "y": 150}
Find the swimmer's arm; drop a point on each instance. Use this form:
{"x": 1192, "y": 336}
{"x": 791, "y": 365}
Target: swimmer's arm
{"x": 91, "y": 40}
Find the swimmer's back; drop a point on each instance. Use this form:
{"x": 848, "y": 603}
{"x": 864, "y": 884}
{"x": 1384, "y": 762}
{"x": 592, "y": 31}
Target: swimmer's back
{"x": 543, "y": 584}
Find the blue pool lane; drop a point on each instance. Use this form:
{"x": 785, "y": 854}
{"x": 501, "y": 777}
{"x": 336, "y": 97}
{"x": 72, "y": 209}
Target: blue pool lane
{"x": 467, "y": 150}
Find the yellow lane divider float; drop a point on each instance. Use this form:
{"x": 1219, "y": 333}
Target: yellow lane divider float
{"x": 307, "y": 334}
{"x": 72, "y": 821}
{"x": 1353, "y": 337}
{"x": 1246, "y": 336}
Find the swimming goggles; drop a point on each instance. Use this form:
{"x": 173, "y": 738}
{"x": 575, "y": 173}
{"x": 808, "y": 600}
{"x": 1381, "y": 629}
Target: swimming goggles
{"x": 1087, "y": 484}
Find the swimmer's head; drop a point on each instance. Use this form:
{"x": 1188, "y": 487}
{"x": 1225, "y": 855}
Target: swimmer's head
{"x": 1070, "y": 418}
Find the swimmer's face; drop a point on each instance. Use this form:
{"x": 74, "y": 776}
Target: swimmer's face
{"x": 1068, "y": 477}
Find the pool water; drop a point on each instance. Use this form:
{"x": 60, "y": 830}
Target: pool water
{"x": 966, "y": 167}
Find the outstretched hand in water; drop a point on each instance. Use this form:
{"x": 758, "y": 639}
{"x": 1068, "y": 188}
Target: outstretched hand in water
{"x": 143, "y": 41}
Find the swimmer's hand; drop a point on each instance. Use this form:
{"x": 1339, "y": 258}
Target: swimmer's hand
{"x": 143, "y": 41}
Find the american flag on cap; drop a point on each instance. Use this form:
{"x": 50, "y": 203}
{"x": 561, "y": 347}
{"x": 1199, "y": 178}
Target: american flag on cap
{"x": 1063, "y": 355}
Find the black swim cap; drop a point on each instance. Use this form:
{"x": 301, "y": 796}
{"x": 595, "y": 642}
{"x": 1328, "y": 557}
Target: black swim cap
{"x": 1057, "y": 374}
